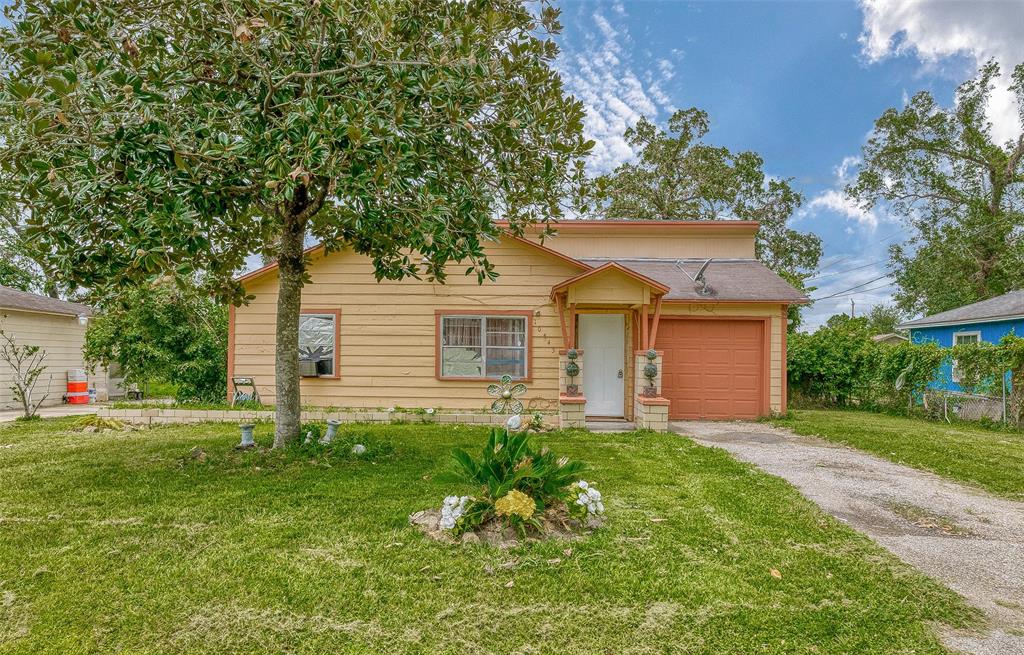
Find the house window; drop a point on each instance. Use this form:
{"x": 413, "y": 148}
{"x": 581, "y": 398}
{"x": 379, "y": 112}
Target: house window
{"x": 318, "y": 333}
{"x": 481, "y": 346}
{"x": 960, "y": 338}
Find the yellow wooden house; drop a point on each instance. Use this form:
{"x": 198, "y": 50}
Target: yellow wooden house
{"x": 687, "y": 296}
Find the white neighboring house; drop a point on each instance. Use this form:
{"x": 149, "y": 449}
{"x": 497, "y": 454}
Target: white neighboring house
{"x": 58, "y": 327}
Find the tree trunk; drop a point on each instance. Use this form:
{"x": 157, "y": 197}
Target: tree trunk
{"x": 291, "y": 267}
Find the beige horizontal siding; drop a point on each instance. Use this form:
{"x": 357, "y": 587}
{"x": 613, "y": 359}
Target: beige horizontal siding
{"x": 617, "y": 244}
{"x": 388, "y": 330}
{"x": 62, "y": 338}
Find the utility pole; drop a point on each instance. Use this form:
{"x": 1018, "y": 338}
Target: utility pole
{"x": 852, "y": 313}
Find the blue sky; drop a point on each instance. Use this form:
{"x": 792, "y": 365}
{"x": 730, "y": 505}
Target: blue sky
{"x": 801, "y": 83}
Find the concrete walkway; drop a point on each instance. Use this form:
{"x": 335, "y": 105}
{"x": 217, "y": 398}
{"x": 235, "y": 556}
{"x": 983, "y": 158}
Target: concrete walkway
{"x": 6, "y": 416}
{"x": 968, "y": 540}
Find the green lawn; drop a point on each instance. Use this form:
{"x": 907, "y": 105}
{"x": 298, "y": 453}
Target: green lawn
{"x": 123, "y": 543}
{"x": 990, "y": 459}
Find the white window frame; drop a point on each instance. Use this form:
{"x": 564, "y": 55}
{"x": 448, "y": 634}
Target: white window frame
{"x": 483, "y": 345}
{"x": 965, "y": 333}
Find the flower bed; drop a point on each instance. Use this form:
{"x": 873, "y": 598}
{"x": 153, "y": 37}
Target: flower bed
{"x": 524, "y": 493}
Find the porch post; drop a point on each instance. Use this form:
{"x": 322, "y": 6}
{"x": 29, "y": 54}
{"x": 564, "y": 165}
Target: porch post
{"x": 644, "y": 325}
{"x": 572, "y": 325}
{"x": 654, "y": 328}
{"x": 560, "y": 308}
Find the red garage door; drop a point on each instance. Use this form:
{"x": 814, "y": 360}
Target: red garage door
{"x": 713, "y": 369}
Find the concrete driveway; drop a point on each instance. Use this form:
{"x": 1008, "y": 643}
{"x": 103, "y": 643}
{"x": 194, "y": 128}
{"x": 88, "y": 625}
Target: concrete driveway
{"x": 969, "y": 540}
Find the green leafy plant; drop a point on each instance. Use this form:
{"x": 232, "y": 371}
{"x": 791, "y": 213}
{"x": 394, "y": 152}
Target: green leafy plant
{"x": 510, "y": 461}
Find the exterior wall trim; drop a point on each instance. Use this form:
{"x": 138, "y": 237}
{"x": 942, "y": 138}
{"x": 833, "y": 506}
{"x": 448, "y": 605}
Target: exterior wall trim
{"x": 972, "y": 321}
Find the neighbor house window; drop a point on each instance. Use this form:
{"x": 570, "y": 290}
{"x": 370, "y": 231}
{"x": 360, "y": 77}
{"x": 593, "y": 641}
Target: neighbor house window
{"x": 318, "y": 334}
{"x": 960, "y": 338}
{"x": 483, "y": 346}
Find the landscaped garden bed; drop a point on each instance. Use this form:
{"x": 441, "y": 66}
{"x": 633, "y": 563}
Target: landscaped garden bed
{"x": 126, "y": 542}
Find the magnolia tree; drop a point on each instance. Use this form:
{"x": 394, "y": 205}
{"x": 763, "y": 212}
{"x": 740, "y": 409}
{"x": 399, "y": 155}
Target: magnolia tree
{"x": 175, "y": 136}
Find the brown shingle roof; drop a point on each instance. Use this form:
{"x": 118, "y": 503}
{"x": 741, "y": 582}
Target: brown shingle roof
{"x": 729, "y": 279}
{"x": 32, "y": 302}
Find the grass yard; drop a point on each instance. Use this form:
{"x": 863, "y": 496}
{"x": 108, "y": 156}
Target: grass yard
{"x": 990, "y": 459}
{"x": 124, "y": 543}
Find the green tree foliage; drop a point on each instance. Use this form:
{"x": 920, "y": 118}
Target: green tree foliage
{"x": 841, "y": 365}
{"x": 164, "y": 333}
{"x": 883, "y": 319}
{"x": 679, "y": 176}
{"x": 181, "y": 136}
{"x": 962, "y": 194}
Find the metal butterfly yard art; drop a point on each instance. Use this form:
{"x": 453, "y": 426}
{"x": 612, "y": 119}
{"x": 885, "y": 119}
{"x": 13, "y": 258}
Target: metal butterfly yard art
{"x": 505, "y": 396}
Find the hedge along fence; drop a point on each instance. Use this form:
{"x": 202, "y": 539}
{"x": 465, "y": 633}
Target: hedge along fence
{"x": 840, "y": 365}
{"x": 985, "y": 367}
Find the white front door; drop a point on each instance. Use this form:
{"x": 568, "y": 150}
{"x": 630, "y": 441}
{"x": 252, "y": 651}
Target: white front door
{"x": 603, "y": 341}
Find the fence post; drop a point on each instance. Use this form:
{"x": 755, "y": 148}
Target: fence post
{"x": 1005, "y": 417}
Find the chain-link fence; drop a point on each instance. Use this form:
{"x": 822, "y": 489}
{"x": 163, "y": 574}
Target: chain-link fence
{"x": 949, "y": 405}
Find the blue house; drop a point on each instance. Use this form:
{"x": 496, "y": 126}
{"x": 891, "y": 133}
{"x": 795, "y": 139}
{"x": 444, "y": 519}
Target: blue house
{"x": 988, "y": 320}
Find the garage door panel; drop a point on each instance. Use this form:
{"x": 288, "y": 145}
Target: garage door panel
{"x": 713, "y": 368}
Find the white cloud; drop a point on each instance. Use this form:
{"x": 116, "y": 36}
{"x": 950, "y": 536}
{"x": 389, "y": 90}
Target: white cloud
{"x": 838, "y": 202}
{"x": 835, "y": 199}
{"x": 936, "y": 31}
{"x": 615, "y": 89}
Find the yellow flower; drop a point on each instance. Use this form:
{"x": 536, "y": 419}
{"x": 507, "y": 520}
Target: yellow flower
{"x": 515, "y": 503}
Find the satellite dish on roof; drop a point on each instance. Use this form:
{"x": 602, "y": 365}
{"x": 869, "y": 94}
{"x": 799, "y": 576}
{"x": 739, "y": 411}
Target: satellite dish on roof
{"x": 699, "y": 281}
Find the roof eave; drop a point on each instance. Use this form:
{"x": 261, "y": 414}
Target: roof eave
{"x": 910, "y": 325}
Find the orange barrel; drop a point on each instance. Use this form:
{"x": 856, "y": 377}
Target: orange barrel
{"x": 78, "y": 387}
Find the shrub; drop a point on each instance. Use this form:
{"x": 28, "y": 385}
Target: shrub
{"x": 840, "y": 365}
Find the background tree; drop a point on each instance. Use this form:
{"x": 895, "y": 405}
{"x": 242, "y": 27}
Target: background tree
{"x": 961, "y": 193}
{"x": 678, "y": 176}
{"x": 165, "y": 332}
{"x": 181, "y": 136}
{"x": 883, "y": 319}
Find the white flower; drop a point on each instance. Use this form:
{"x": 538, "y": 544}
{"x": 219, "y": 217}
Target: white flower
{"x": 514, "y": 422}
{"x": 430, "y": 410}
{"x": 391, "y": 410}
{"x": 589, "y": 497}
{"x": 451, "y": 510}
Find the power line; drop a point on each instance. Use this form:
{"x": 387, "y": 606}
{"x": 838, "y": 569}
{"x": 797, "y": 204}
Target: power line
{"x": 849, "y": 270}
{"x": 853, "y": 288}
